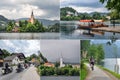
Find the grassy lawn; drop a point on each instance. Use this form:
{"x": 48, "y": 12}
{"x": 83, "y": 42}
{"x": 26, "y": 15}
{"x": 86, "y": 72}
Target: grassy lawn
{"x": 84, "y": 73}
{"x": 113, "y": 73}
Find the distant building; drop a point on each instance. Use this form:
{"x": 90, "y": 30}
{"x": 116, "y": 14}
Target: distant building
{"x": 71, "y": 14}
{"x": 12, "y": 60}
{"x": 48, "y": 64}
{"x": 1, "y": 57}
{"x": 61, "y": 63}
{"x": 32, "y": 19}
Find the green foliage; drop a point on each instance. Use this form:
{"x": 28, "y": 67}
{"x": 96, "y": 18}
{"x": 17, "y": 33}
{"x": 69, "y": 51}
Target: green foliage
{"x": 57, "y": 64}
{"x": 25, "y": 26}
{"x": 63, "y": 15}
{"x": 97, "y": 52}
{"x": 67, "y": 70}
{"x": 43, "y": 58}
{"x": 83, "y": 72}
{"x": 6, "y": 53}
{"x": 114, "y": 6}
{"x": 85, "y": 44}
{"x": 53, "y": 28}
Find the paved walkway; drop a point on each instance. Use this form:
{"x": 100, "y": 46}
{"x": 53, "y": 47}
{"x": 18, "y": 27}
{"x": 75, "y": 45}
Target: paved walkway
{"x": 31, "y": 74}
{"x": 99, "y": 74}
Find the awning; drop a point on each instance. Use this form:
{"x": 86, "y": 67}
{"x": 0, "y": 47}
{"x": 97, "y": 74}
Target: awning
{"x": 86, "y": 20}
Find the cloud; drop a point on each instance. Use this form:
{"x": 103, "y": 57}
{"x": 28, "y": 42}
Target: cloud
{"x": 27, "y": 47}
{"x": 53, "y": 50}
{"x": 14, "y": 9}
{"x": 84, "y": 5}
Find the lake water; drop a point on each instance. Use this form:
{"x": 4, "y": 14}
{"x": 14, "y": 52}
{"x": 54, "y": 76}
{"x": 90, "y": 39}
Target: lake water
{"x": 60, "y": 78}
{"x": 69, "y": 31}
{"x": 109, "y": 63}
{"x": 29, "y": 35}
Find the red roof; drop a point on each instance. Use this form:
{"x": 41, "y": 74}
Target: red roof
{"x": 86, "y": 20}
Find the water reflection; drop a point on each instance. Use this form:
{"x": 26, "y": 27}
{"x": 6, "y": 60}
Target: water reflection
{"x": 69, "y": 31}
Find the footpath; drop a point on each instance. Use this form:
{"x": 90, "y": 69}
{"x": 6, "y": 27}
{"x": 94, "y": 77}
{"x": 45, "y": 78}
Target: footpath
{"x": 99, "y": 74}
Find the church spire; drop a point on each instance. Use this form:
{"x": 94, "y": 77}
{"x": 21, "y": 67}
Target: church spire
{"x": 32, "y": 17}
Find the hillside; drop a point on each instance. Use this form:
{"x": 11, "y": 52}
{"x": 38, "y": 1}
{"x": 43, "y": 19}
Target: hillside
{"x": 68, "y": 13}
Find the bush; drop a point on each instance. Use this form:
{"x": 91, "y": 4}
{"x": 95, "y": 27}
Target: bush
{"x": 67, "y": 70}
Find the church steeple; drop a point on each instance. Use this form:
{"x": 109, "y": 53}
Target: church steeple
{"x": 32, "y": 18}
{"x": 32, "y": 15}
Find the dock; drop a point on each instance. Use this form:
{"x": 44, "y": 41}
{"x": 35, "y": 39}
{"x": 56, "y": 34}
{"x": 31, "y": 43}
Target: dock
{"x": 107, "y": 29}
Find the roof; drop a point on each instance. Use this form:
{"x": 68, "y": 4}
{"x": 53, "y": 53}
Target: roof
{"x": 99, "y": 20}
{"x": 20, "y": 55}
{"x": 49, "y": 64}
{"x": 10, "y": 57}
{"x": 86, "y": 20}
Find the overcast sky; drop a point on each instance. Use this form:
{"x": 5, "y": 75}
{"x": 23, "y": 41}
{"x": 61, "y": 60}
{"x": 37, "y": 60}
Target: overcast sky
{"x": 84, "y": 5}
{"x": 53, "y": 50}
{"x": 45, "y": 9}
{"x": 27, "y": 47}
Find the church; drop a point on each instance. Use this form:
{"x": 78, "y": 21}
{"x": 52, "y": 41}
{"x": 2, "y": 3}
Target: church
{"x": 32, "y": 19}
{"x": 16, "y": 27}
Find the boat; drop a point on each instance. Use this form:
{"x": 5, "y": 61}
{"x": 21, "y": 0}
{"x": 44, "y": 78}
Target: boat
{"x": 88, "y": 24}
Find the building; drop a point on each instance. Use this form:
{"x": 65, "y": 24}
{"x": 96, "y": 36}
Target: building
{"x": 1, "y": 58}
{"x": 16, "y": 27}
{"x": 32, "y": 19}
{"x": 61, "y": 63}
{"x": 21, "y": 57}
{"x": 48, "y": 64}
{"x": 12, "y": 60}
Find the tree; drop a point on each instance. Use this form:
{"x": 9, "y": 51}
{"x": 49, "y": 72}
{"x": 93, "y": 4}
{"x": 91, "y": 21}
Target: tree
{"x": 97, "y": 52}
{"x": 43, "y": 58}
{"x": 6, "y": 53}
{"x": 113, "y": 5}
{"x": 96, "y": 15}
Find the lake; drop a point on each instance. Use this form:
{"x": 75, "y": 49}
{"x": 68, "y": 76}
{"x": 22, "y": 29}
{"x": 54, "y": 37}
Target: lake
{"x": 69, "y": 31}
{"x": 109, "y": 63}
{"x": 29, "y": 35}
{"x": 60, "y": 78}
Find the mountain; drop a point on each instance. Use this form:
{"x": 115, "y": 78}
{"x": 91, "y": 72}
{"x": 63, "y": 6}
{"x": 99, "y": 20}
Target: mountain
{"x": 3, "y": 22}
{"x": 2, "y": 18}
{"x": 45, "y": 22}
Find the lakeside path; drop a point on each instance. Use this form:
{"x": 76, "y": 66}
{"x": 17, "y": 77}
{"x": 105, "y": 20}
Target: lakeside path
{"x": 31, "y": 74}
{"x": 99, "y": 74}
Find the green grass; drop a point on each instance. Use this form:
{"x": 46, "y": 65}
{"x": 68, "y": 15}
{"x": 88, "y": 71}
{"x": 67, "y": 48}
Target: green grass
{"x": 113, "y": 73}
{"x": 83, "y": 73}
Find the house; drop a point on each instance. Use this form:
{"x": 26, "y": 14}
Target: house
{"x": 48, "y": 64}
{"x": 1, "y": 57}
{"x": 12, "y": 60}
{"x": 21, "y": 57}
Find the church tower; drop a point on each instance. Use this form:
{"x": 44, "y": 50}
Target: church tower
{"x": 31, "y": 20}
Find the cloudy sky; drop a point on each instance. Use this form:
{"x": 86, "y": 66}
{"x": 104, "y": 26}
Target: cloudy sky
{"x": 45, "y": 9}
{"x": 27, "y": 47}
{"x": 84, "y": 5}
{"x": 53, "y": 50}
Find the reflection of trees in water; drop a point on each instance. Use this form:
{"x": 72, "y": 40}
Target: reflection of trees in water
{"x": 67, "y": 29}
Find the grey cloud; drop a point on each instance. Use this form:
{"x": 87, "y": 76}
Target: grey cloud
{"x": 51, "y": 7}
{"x": 55, "y": 49}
